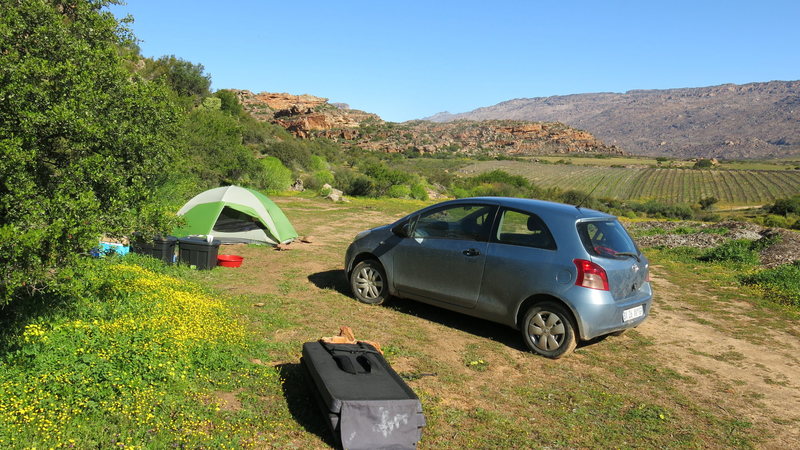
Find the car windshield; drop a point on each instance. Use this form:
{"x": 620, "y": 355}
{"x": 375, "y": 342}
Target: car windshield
{"x": 606, "y": 238}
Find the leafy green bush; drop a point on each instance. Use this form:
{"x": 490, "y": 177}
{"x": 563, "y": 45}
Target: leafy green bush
{"x": 185, "y": 78}
{"x": 419, "y": 192}
{"x": 574, "y": 197}
{"x": 318, "y": 163}
{"x": 319, "y": 179}
{"x": 399, "y": 191}
{"x": 497, "y": 183}
{"x": 736, "y": 251}
{"x": 274, "y": 176}
{"x": 703, "y": 164}
{"x": 774, "y": 220}
{"x": 292, "y": 153}
{"x": 361, "y": 185}
{"x": 229, "y": 103}
{"x": 654, "y": 208}
{"x": 212, "y": 150}
{"x": 84, "y": 145}
{"x": 784, "y": 206}
{"x": 384, "y": 178}
{"x": 708, "y": 202}
{"x": 781, "y": 284}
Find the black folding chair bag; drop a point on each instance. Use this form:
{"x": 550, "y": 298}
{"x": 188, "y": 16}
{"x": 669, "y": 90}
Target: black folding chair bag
{"x": 368, "y": 406}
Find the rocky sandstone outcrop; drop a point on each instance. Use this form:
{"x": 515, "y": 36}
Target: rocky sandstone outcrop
{"x": 307, "y": 116}
{"x": 301, "y": 114}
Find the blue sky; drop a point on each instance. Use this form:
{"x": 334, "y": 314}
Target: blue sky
{"x": 410, "y": 59}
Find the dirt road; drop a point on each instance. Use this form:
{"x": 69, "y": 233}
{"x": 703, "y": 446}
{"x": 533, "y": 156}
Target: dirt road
{"x": 739, "y": 363}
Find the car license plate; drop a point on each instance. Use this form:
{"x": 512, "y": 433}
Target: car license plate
{"x": 630, "y": 314}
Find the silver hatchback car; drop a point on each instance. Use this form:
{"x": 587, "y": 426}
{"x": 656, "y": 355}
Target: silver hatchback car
{"x": 558, "y": 273}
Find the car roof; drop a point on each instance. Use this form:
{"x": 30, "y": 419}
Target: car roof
{"x": 535, "y": 206}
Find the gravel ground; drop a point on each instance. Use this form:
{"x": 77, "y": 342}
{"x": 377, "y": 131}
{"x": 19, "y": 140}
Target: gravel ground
{"x": 785, "y": 251}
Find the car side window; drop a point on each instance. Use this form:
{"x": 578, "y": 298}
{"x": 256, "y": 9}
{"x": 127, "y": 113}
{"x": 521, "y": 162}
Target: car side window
{"x": 525, "y": 229}
{"x": 466, "y": 222}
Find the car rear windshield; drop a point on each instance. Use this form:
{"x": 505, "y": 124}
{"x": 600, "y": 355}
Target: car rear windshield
{"x": 606, "y": 238}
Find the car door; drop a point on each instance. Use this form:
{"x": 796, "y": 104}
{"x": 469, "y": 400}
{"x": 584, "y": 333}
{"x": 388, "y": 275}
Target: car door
{"x": 521, "y": 261}
{"x": 444, "y": 257}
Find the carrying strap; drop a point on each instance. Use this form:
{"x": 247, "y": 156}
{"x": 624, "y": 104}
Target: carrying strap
{"x": 353, "y": 361}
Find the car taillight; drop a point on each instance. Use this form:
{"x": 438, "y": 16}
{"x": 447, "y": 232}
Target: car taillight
{"x": 590, "y": 275}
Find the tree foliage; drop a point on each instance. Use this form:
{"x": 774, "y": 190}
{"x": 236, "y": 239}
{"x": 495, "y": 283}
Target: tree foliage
{"x": 83, "y": 144}
{"x": 185, "y": 78}
{"x": 785, "y": 206}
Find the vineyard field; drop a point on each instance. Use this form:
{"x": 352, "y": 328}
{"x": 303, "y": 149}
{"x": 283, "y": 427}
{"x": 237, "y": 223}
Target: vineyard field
{"x": 673, "y": 186}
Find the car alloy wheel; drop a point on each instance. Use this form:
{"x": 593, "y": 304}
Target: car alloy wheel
{"x": 547, "y": 330}
{"x": 368, "y": 281}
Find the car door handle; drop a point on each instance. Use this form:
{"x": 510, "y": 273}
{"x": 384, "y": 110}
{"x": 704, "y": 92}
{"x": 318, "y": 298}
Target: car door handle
{"x": 471, "y": 252}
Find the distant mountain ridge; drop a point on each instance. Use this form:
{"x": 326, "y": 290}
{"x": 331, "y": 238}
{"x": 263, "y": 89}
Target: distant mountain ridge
{"x": 755, "y": 120}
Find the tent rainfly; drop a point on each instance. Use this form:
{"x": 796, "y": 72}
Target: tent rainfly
{"x": 233, "y": 214}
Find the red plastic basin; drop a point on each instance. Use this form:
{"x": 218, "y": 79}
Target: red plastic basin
{"x": 229, "y": 260}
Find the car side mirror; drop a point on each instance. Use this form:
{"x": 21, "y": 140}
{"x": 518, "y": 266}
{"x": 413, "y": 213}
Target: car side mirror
{"x": 402, "y": 230}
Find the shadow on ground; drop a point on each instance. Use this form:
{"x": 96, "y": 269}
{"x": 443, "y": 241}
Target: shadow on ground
{"x": 472, "y": 325}
{"x": 298, "y": 389}
{"x": 331, "y": 279}
{"x": 337, "y": 280}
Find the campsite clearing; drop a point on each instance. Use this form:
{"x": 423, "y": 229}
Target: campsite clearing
{"x": 712, "y": 367}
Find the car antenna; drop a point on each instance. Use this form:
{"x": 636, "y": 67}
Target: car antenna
{"x": 590, "y": 192}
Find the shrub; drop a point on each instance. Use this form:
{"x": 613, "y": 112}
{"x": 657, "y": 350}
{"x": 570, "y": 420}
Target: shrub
{"x": 229, "y": 103}
{"x": 773, "y": 220}
{"x": 656, "y": 209}
{"x": 419, "y": 192}
{"x": 703, "y": 164}
{"x": 399, "y": 191}
{"x": 496, "y": 183}
{"x": 383, "y": 177}
{"x": 318, "y": 179}
{"x": 274, "y": 176}
{"x": 292, "y": 153}
{"x": 707, "y": 202}
{"x": 736, "y": 251}
{"x": 361, "y": 185}
{"x": 318, "y": 163}
{"x": 785, "y": 206}
{"x": 574, "y": 197}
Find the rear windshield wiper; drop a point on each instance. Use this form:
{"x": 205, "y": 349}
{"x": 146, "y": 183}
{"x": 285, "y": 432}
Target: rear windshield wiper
{"x": 628, "y": 254}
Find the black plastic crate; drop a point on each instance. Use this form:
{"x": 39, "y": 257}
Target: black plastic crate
{"x": 159, "y": 248}
{"x": 198, "y": 252}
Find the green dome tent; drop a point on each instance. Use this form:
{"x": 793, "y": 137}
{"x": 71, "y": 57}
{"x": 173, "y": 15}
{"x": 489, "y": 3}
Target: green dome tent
{"x": 233, "y": 214}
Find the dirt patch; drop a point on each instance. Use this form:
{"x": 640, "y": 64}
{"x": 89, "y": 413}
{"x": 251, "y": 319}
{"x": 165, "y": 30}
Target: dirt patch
{"x": 227, "y": 401}
{"x": 762, "y": 381}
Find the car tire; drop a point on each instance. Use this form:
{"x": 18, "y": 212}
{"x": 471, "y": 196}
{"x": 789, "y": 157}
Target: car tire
{"x": 368, "y": 281}
{"x": 548, "y": 331}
